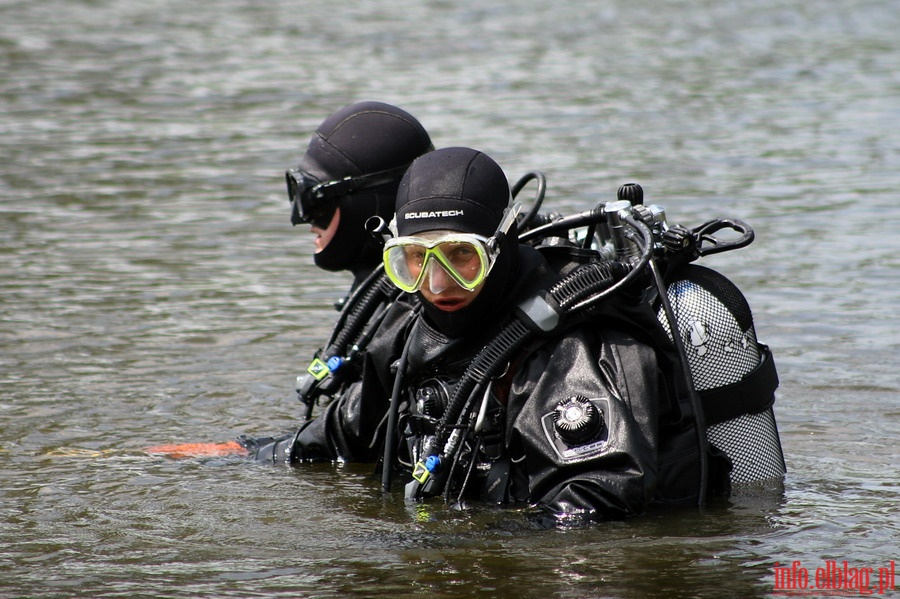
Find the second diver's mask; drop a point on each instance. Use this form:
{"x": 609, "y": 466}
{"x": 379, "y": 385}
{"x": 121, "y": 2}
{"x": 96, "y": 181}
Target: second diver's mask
{"x": 314, "y": 201}
{"x": 466, "y": 258}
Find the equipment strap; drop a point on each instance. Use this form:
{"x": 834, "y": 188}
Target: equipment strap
{"x": 750, "y": 395}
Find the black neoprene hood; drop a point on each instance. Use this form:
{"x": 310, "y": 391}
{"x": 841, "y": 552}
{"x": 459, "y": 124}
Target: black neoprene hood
{"x": 361, "y": 139}
{"x": 364, "y": 138}
{"x": 455, "y": 189}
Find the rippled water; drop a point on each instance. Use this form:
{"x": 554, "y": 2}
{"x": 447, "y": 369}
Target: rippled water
{"x": 152, "y": 290}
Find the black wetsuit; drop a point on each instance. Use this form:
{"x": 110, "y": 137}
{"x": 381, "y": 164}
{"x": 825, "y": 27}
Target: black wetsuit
{"x": 522, "y": 455}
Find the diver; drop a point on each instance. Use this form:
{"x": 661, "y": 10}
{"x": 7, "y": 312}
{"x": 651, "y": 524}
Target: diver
{"x": 567, "y": 421}
{"x": 349, "y": 173}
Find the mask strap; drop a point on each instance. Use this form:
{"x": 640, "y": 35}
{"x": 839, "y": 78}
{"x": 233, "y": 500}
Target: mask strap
{"x": 329, "y": 190}
{"x": 496, "y": 241}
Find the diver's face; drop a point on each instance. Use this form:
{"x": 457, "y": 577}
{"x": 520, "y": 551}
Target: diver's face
{"x": 438, "y": 287}
{"x": 452, "y": 297}
{"x": 324, "y": 236}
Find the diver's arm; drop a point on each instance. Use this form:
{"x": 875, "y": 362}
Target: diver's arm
{"x": 348, "y": 428}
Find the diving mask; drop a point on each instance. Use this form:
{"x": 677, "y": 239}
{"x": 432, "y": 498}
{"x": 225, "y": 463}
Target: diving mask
{"x": 314, "y": 201}
{"x": 466, "y": 258}
{"x": 409, "y": 261}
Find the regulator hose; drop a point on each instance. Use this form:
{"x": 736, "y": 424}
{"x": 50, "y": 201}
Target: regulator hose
{"x": 349, "y": 305}
{"x": 693, "y": 395}
{"x": 387, "y": 462}
{"x": 373, "y": 294}
{"x": 487, "y": 364}
{"x": 589, "y": 217}
{"x": 538, "y": 195}
{"x": 357, "y": 318}
{"x": 584, "y": 283}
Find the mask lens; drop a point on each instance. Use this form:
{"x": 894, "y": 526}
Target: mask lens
{"x": 404, "y": 265}
{"x": 321, "y": 217}
{"x": 408, "y": 261}
{"x": 464, "y": 260}
{"x": 307, "y": 204}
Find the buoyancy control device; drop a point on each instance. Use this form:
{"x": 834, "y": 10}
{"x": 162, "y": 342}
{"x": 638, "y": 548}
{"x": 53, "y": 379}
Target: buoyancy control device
{"x": 730, "y": 375}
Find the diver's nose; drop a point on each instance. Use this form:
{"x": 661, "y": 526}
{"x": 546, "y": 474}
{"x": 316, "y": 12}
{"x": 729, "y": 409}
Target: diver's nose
{"x": 438, "y": 278}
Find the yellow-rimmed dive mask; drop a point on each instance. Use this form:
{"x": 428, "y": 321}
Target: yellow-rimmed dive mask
{"x": 467, "y": 258}
{"x": 464, "y": 257}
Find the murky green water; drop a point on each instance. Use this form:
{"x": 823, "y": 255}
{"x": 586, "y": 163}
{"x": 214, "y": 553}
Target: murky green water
{"x": 152, "y": 289}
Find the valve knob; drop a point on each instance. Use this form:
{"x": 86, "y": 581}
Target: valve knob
{"x": 632, "y": 192}
{"x": 577, "y": 420}
{"x": 432, "y": 397}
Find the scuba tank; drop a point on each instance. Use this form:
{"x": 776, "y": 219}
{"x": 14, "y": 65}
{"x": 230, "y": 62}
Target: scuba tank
{"x": 733, "y": 373}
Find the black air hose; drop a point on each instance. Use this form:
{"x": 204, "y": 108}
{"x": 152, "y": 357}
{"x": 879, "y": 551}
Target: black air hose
{"x": 366, "y": 300}
{"x": 387, "y": 461}
{"x": 586, "y": 281}
{"x": 486, "y": 364}
{"x": 349, "y": 304}
{"x": 564, "y": 224}
{"x": 538, "y": 196}
{"x": 359, "y": 315}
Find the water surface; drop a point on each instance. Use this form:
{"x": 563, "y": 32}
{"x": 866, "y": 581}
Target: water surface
{"x": 152, "y": 289}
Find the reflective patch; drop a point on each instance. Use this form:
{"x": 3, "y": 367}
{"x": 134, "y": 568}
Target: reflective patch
{"x": 590, "y": 448}
{"x": 318, "y": 369}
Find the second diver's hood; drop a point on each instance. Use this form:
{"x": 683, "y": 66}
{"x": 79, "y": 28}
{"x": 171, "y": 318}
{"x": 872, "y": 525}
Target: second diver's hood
{"x": 361, "y": 139}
